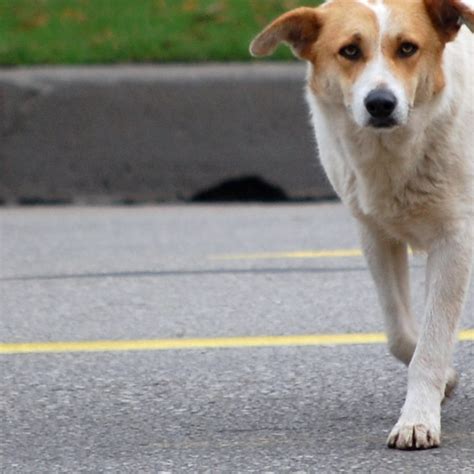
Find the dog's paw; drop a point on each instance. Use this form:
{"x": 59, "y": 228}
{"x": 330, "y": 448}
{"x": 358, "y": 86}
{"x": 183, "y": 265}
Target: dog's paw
{"x": 414, "y": 436}
{"x": 452, "y": 381}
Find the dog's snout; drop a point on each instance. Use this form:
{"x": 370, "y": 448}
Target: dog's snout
{"x": 380, "y": 103}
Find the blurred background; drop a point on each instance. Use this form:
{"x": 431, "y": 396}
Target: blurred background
{"x": 136, "y": 101}
{"x": 118, "y": 31}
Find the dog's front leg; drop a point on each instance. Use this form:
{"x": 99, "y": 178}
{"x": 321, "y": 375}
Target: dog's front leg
{"x": 388, "y": 264}
{"x": 448, "y": 270}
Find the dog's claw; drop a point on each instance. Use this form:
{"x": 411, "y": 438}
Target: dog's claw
{"x": 413, "y": 436}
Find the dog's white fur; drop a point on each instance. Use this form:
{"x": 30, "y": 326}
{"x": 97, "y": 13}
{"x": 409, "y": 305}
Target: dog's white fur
{"x": 410, "y": 185}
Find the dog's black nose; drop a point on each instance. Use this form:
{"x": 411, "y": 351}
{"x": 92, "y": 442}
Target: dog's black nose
{"x": 380, "y": 103}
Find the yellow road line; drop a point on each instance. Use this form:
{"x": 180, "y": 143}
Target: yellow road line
{"x": 337, "y": 253}
{"x": 204, "y": 343}
{"x": 334, "y": 253}
{"x": 466, "y": 335}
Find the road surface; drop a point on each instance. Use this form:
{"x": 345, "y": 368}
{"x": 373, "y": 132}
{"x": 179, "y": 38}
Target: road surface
{"x": 132, "y": 342}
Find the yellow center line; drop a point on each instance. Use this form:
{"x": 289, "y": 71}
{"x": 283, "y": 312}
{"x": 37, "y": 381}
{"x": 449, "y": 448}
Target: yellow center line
{"x": 202, "y": 343}
{"x": 331, "y": 253}
{"x": 336, "y": 253}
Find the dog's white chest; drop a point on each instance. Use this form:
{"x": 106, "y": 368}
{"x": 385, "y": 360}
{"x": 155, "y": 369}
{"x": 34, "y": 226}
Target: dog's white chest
{"x": 401, "y": 182}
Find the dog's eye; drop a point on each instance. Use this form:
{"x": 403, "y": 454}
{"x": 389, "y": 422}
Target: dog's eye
{"x": 351, "y": 52}
{"x": 407, "y": 49}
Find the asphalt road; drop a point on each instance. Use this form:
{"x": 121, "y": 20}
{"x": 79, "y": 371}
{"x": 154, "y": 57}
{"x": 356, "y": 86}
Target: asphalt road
{"x": 175, "y": 273}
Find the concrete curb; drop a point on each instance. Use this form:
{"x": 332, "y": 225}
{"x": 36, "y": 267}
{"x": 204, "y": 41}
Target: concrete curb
{"x": 154, "y": 133}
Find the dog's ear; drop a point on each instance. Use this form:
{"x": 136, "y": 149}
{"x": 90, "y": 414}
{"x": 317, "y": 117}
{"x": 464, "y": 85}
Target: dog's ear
{"x": 448, "y": 16}
{"x": 298, "y": 28}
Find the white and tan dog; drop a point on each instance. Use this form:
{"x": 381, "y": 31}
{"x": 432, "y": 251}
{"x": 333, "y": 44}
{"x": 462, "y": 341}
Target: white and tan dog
{"x": 391, "y": 91}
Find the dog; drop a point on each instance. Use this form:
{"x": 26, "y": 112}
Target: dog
{"x": 390, "y": 87}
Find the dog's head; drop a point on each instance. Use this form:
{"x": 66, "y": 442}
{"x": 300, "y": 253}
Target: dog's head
{"x": 378, "y": 58}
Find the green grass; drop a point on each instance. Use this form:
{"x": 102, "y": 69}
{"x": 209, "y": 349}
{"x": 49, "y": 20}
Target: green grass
{"x": 111, "y": 31}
